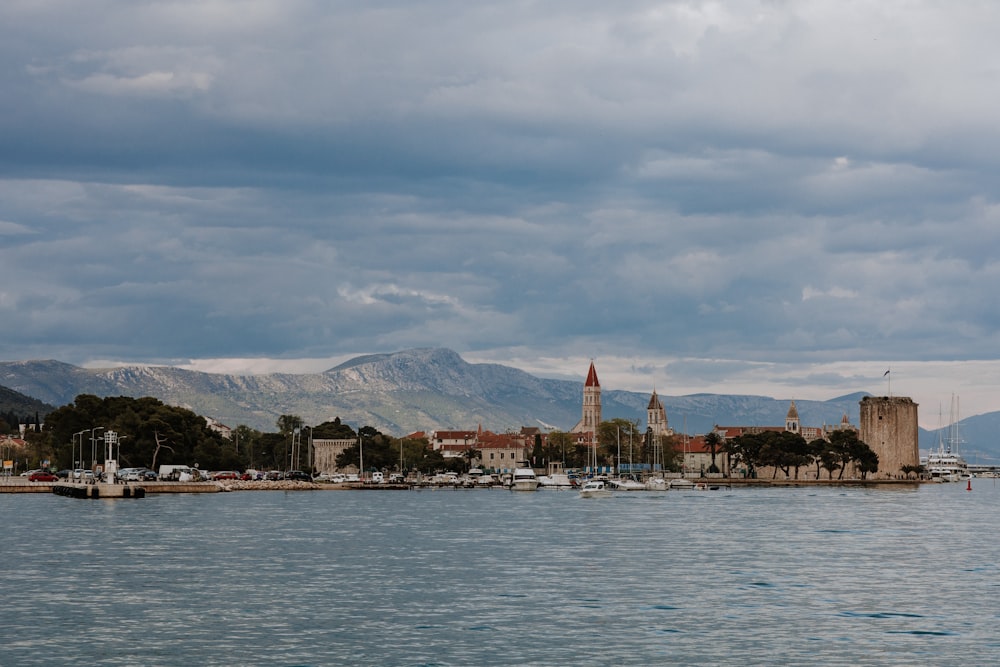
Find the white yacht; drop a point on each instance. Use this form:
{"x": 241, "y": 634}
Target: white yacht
{"x": 681, "y": 483}
{"x": 626, "y": 484}
{"x": 557, "y": 478}
{"x": 595, "y": 488}
{"x": 524, "y": 479}
{"x": 656, "y": 484}
{"x": 946, "y": 464}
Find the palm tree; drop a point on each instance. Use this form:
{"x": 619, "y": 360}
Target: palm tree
{"x": 470, "y": 455}
{"x": 714, "y": 442}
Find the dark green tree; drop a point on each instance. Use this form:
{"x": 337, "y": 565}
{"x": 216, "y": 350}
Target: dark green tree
{"x": 713, "y": 441}
{"x": 146, "y": 428}
{"x": 537, "y": 453}
{"x": 614, "y": 437}
{"x": 470, "y": 456}
{"x": 288, "y": 424}
{"x": 746, "y": 451}
{"x": 560, "y": 446}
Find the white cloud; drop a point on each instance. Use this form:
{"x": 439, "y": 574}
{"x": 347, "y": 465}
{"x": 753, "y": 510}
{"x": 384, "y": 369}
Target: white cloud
{"x": 148, "y": 83}
{"x": 810, "y": 292}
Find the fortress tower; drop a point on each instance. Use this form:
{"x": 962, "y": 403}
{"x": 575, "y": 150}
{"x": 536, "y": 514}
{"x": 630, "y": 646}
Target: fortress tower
{"x": 889, "y": 427}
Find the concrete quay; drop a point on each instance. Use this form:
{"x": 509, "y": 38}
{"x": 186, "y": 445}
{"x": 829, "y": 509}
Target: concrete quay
{"x": 22, "y": 485}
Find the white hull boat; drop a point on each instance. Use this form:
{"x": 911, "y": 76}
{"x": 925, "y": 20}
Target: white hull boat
{"x": 524, "y": 479}
{"x": 626, "y": 485}
{"x": 559, "y": 480}
{"x": 656, "y": 484}
{"x": 595, "y": 488}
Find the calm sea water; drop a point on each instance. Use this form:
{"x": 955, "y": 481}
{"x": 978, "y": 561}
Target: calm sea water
{"x": 797, "y": 576}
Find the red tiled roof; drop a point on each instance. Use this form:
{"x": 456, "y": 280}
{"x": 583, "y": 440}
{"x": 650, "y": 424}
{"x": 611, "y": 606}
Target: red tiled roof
{"x": 455, "y": 435}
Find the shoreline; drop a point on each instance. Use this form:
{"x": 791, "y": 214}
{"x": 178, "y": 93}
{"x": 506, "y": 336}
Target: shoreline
{"x": 21, "y": 485}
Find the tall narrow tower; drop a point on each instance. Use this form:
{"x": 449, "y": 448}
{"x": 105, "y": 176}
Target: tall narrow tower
{"x": 656, "y": 416}
{"x": 889, "y": 427}
{"x": 792, "y": 419}
{"x": 591, "y": 401}
{"x": 656, "y": 428}
{"x": 587, "y": 426}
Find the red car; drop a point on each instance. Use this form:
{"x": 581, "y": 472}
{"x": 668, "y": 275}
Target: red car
{"x": 226, "y": 474}
{"x": 42, "y": 476}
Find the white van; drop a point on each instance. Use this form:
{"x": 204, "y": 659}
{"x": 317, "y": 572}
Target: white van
{"x": 378, "y": 478}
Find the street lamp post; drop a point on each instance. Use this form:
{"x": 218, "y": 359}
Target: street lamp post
{"x": 77, "y": 463}
{"x": 93, "y": 445}
{"x": 619, "y": 466}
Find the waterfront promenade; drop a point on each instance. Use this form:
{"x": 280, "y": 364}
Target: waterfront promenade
{"x": 22, "y": 485}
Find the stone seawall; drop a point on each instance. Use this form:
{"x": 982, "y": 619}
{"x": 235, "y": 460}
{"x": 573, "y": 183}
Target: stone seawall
{"x": 268, "y": 485}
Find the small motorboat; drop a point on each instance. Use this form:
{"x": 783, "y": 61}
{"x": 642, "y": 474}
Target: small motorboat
{"x": 626, "y": 484}
{"x": 595, "y": 488}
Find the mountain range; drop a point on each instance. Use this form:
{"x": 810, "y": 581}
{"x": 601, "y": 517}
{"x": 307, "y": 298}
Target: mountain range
{"x": 423, "y": 390}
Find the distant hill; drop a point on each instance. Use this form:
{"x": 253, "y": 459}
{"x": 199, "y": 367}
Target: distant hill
{"x": 978, "y": 441}
{"x": 25, "y": 407}
{"x": 412, "y": 390}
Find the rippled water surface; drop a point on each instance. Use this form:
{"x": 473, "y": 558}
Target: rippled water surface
{"x": 794, "y": 576}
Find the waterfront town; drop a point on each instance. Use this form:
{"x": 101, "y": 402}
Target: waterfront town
{"x": 883, "y": 447}
{"x": 889, "y": 428}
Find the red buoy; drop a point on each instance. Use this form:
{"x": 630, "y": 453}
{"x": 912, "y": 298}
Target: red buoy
{"x": 969, "y": 486}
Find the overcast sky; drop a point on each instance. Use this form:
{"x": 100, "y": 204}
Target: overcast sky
{"x": 782, "y": 198}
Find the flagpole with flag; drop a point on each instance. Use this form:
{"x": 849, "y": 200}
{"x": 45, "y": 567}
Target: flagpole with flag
{"x": 888, "y": 383}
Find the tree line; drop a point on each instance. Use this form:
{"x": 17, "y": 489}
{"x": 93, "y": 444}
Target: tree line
{"x": 152, "y": 433}
{"x": 789, "y": 452}
{"x": 620, "y": 442}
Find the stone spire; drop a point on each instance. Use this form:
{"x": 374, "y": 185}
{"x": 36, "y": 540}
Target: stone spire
{"x": 792, "y": 419}
{"x": 591, "y": 401}
{"x": 591, "y": 417}
{"x": 656, "y": 416}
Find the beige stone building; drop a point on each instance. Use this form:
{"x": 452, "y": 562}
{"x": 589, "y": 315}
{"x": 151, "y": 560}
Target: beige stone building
{"x": 326, "y": 451}
{"x": 889, "y": 426}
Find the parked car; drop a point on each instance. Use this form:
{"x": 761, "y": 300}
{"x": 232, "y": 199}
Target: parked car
{"x": 226, "y": 474}
{"x": 129, "y": 474}
{"x": 298, "y": 475}
{"x": 42, "y": 476}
